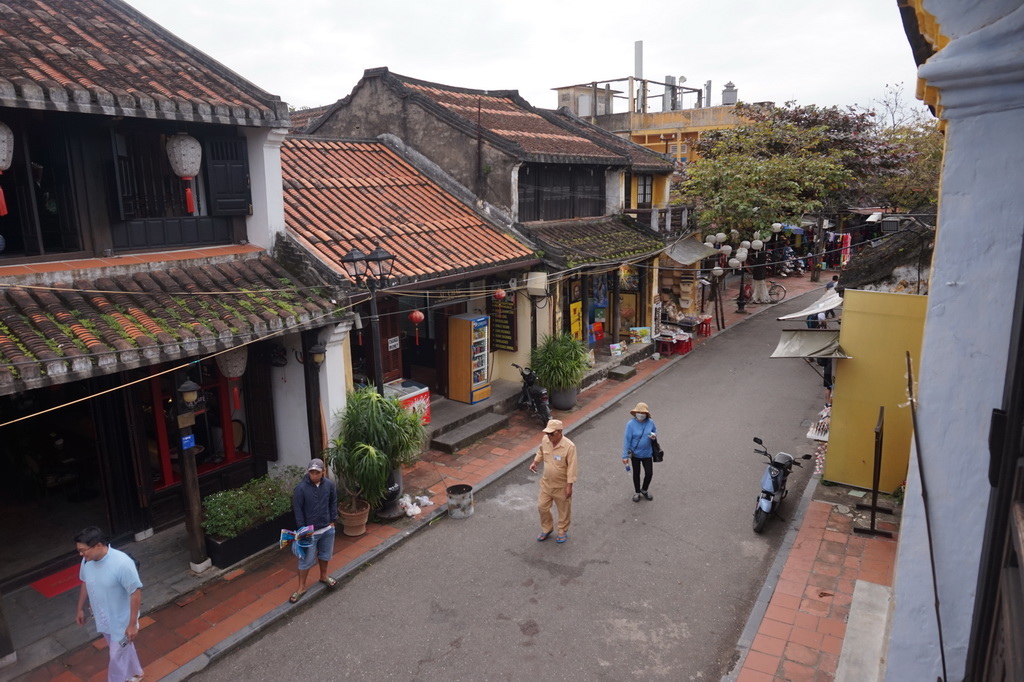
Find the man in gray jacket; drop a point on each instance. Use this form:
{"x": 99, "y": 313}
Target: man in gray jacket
{"x": 315, "y": 503}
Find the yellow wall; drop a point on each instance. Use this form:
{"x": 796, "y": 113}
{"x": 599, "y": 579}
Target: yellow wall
{"x": 877, "y": 330}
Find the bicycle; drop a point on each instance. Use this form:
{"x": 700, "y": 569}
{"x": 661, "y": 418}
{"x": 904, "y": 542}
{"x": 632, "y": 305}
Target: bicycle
{"x": 776, "y": 292}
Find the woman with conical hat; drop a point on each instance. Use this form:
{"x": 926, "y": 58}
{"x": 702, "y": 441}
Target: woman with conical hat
{"x": 637, "y": 450}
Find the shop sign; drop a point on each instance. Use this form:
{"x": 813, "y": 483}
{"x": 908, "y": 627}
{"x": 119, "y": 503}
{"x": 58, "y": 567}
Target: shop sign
{"x": 393, "y": 343}
{"x": 503, "y": 322}
{"x": 188, "y": 441}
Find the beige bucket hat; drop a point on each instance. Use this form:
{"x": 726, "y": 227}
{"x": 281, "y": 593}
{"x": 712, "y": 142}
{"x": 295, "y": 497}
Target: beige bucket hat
{"x": 640, "y": 407}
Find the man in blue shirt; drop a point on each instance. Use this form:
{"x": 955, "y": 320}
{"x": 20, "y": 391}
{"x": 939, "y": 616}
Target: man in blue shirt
{"x": 315, "y": 503}
{"x": 111, "y": 583}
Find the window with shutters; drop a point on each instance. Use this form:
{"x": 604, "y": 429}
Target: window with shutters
{"x": 558, "y": 192}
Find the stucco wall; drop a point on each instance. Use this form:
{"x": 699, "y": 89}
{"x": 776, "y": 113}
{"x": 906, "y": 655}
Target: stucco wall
{"x": 979, "y": 76}
{"x": 373, "y": 109}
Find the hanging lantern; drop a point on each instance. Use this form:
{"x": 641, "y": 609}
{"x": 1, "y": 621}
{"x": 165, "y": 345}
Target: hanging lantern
{"x": 499, "y": 294}
{"x": 416, "y": 317}
{"x": 6, "y": 154}
{"x": 232, "y": 366}
{"x": 186, "y": 156}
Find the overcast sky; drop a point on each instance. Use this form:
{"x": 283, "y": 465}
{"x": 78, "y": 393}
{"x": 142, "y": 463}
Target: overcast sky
{"x": 312, "y": 52}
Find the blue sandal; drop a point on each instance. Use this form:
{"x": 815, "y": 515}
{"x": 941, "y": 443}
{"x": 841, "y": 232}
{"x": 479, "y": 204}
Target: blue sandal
{"x": 544, "y": 536}
{"x": 562, "y": 538}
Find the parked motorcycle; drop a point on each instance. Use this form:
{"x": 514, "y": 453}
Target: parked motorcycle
{"x": 532, "y": 397}
{"x": 773, "y": 484}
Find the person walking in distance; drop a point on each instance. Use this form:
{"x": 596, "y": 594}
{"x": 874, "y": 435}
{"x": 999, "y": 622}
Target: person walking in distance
{"x": 111, "y": 583}
{"x": 315, "y": 503}
{"x": 830, "y": 286}
{"x": 637, "y": 449}
{"x": 558, "y": 454}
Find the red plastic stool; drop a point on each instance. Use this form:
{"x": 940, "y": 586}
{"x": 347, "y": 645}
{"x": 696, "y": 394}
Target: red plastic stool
{"x": 666, "y": 348}
{"x": 684, "y": 347}
{"x": 704, "y": 328}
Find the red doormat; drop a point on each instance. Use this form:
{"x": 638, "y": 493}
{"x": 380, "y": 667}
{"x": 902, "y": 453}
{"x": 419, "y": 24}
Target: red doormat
{"x": 58, "y": 583}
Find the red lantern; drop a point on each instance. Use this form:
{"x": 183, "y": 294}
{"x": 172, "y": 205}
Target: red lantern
{"x": 416, "y": 317}
{"x": 499, "y": 294}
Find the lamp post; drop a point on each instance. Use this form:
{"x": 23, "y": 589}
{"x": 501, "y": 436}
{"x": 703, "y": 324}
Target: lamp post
{"x": 188, "y": 396}
{"x": 737, "y": 263}
{"x": 312, "y": 357}
{"x": 373, "y": 270}
{"x": 776, "y": 259}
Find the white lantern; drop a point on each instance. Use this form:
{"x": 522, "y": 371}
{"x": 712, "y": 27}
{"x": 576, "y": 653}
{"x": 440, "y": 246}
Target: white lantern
{"x": 6, "y": 155}
{"x": 735, "y": 234}
{"x": 720, "y": 237}
{"x": 710, "y": 243}
{"x": 744, "y": 244}
{"x": 232, "y": 363}
{"x": 742, "y": 256}
{"x": 776, "y": 227}
{"x": 186, "y": 157}
{"x": 757, "y": 245}
{"x": 733, "y": 263}
{"x": 726, "y": 249}
{"x": 717, "y": 271}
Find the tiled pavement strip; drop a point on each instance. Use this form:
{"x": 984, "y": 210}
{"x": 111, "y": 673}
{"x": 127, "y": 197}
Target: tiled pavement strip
{"x": 798, "y": 638}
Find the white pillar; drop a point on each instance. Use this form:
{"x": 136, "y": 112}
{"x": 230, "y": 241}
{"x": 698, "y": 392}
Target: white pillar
{"x": 979, "y": 76}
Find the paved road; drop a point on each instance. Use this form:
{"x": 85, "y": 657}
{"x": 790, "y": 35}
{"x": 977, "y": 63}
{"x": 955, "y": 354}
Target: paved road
{"x": 648, "y": 590}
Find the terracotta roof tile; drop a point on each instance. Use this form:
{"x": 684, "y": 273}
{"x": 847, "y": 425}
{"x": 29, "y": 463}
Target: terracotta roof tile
{"x": 105, "y": 57}
{"x": 66, "y": 331}
{"x": 341, "y": 194}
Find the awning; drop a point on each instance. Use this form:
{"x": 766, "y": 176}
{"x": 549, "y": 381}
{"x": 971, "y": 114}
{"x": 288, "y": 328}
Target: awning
{"x": 809, "y": 343}
{"x": 690, "y": 250}
{"x": 829, "y": 301}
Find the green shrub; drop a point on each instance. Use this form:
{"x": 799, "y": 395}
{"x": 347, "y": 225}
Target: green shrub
{"x": 231, "y": 512}
{"x": 560, "y": 361}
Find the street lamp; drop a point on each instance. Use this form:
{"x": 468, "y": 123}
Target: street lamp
{"x": 737, "y": 262}
{"x": 776, "y": 254}
{"x": 373, "y": 270}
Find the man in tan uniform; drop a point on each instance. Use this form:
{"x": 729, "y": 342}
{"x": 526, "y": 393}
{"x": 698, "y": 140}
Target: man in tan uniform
{"x": 559, "y": 456}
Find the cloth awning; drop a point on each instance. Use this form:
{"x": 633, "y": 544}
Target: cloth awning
{"x": 690, "y": 250}
{"x": 809, "y": 343}
{"x": 829, "y": 301}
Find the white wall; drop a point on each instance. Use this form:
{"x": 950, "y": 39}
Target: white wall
{"x": 267, "y": 219}
{"x": 290, "y": 407}
{"x": 980, "y": 77}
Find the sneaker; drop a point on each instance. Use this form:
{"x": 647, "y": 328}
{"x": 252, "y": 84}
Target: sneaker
{"x": 636, "y": 497}
{"x": 647, "y": 495}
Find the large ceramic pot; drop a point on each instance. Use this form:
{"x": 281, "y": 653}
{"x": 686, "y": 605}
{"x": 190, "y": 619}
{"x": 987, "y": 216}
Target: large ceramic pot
{"x": 353, "y": 524}
{"x": 564, "y": 399}
{"x": 224, "y": 553}
{"x": 389, "y": 508}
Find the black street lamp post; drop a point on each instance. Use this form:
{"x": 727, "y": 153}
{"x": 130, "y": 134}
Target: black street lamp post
{"x": 373, "y": 270}
{"x": 188, "y": 397}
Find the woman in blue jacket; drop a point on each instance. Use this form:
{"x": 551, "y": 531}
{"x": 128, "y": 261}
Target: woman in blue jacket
{"x": 637, "y": 450}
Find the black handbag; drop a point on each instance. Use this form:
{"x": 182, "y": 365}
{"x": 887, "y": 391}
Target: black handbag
{"x": 656, "y": 452}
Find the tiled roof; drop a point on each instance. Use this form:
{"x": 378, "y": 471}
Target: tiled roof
{"x": 66, "y": 331}
{"x": 340, "y": 194}
{"x": 302, "y": 118}
{"x": 104, "y": 57}
{"x": 592, "y": 240}
{"x": 641, "y": 158}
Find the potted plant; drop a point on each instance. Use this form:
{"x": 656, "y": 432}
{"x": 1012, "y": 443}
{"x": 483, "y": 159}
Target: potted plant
{"x": 561, "y": 362}
{"x": 361, "y": 473}
{"x": 374, "y": 428}
{"x": 242, "y": 521}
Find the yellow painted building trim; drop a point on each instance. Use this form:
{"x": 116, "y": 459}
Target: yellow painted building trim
{"x": 877, "y": 331}
{"x": 931, "y": 31}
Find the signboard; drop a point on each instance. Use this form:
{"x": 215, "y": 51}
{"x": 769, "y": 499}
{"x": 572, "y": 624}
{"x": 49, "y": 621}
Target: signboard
{"x": 394, "y": 343}
{"x": 188, "y": 441}
{"x": 576, "y": 319}
{"x": 503, "y": 322}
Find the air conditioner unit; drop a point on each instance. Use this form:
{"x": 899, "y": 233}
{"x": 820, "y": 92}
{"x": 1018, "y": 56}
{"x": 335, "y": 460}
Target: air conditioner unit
{"x": 890, "y": 225}
{"x": 537, "y": 283}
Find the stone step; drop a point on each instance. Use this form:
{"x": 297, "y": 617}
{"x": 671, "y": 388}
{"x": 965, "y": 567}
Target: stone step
{"x": 622, "y": 372}
{"x": 484, "y": 425}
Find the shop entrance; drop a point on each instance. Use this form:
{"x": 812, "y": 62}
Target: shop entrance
{"x": 52, "y": 484}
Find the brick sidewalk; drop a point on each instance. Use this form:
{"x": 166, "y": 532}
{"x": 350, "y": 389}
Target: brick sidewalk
{"x": 801, "y": 634}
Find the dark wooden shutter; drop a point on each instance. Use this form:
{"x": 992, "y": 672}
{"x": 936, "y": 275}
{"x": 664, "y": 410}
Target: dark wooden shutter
{"x": 227, "y": 173}
{"x": 259, "y": 405}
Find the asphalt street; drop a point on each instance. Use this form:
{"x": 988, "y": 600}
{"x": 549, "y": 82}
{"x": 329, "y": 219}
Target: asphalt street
{"x": 646, "y": 590}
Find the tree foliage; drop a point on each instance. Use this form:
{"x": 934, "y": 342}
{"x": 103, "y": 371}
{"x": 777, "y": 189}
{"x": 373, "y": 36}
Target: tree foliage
{"x": 789, "y": 161}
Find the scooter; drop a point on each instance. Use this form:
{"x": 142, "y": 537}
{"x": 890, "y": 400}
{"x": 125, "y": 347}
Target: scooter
{"x": 533, "y": 398}
{"x": 773, "y": 484}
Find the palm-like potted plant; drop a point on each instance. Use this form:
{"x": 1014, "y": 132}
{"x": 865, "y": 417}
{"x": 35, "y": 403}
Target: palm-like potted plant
{"x": 376, "y": 439}
{"x": 561, "y": 362}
